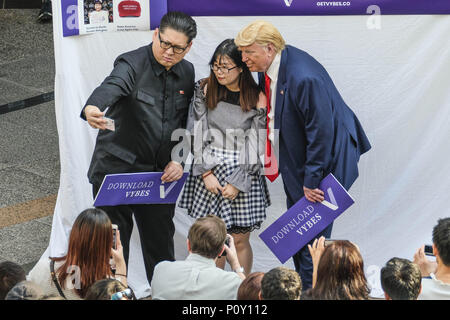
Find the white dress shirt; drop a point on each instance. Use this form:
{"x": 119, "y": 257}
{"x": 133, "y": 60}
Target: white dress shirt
{"x": 196, "y": 278}
{"x": 272, "y": 72}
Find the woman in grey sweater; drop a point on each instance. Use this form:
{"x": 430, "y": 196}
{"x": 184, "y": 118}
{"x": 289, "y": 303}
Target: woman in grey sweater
{"x": 227, "y": 117}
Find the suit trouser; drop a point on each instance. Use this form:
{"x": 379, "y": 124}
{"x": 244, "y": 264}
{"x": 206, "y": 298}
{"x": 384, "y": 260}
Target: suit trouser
{"x": 155, "y": 226}
{"x": 302, "y": 259}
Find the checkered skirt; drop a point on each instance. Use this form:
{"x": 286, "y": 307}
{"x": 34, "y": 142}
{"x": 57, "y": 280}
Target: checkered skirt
{"x": 248, "y": 209}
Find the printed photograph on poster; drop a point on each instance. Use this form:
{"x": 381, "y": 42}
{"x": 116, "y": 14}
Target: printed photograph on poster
{"x": 113, "y": 15}
{"x": 98, "y": 12}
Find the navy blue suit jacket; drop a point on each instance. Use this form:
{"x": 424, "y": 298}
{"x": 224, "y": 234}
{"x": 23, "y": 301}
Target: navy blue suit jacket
{"x": 318, "y": 132}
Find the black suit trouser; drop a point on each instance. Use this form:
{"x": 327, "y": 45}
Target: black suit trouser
{"x": 155, "y": 226}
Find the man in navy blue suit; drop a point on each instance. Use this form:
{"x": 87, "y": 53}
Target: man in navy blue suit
{"x": 308, "y": 122}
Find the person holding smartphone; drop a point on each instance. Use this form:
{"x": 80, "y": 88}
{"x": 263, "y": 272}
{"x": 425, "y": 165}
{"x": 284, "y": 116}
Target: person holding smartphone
{"x": 147, "y": 96}
{"x": 197, "y": 277}
{"x": 88, "y": 259}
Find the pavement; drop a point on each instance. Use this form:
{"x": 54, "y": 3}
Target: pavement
{"x": 29, "y": 152}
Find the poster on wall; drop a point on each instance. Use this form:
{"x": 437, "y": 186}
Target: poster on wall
{"x": 81, "y": 17}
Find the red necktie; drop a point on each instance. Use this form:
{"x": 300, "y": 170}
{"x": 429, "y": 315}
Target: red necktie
{"x": 270, "y": 160}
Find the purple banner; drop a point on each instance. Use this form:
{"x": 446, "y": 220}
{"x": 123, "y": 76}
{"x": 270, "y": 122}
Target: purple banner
{"x": 304, "y": 220}
{"x": 307, "y": 7}
{"x": 137, "y": 188}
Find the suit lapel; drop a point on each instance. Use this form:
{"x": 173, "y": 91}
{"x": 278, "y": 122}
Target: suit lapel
{"x": 281, "y": 89}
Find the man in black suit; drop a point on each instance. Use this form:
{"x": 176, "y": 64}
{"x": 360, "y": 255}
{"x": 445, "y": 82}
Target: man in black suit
{"x": 147, "y": 95}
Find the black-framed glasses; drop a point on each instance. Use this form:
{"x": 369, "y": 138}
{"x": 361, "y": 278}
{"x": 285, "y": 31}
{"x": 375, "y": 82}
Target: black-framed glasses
{"x": 216, "y": 68}
{"x": 167, "y": 45}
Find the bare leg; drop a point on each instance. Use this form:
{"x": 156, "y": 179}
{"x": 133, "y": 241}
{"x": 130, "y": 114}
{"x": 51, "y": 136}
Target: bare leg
{"x": 244, "y": 251}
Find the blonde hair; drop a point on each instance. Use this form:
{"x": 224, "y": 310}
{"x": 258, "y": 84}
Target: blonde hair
{"x": 261, "y": 32}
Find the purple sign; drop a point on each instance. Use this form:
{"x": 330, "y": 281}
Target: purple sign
{"x": 137, "y": 188}
{"x": 307, "y": 7}
{"x": 304, "y": 220}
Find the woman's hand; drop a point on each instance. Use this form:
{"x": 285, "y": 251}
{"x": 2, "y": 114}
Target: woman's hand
{"x": 316, "y": 251}
{"x": 230, "y": 192}
{"x": 212, "y": 184}
{"x": 117, "y": 255}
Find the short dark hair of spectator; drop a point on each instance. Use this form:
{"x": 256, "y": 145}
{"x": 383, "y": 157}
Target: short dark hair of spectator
{"x": 250, "y": 288}
{"x": 180, "y": 22}
{"x": 441, "y": 239}
{"x": 207, "y": 236}
{"x": 104, "y": 289}
{"x": 10, "y": 274}
{"x": 401, "y": 279}
{"x": 281, "y": 283}
{"x": 25, "y": 290}
{"x": 90, "y": 244}
{"x": 340, "y": 273}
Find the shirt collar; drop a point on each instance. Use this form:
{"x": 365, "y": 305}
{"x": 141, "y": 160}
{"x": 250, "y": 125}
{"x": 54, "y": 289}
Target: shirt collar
{"x": 158, "y": 69}
{"x": 194, "y": 257}
{"x": 272, "y": 72}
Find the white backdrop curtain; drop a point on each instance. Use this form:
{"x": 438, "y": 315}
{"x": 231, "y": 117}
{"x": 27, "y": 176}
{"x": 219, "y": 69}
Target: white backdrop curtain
{"x": 395, "y": 78}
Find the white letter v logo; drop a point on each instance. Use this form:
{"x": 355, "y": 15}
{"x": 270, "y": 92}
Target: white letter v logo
{"x": 333, "y": 205}
{"x": 288, "y": 2}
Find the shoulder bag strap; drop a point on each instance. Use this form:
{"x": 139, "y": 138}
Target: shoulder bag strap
{"x": 55, "y": 280}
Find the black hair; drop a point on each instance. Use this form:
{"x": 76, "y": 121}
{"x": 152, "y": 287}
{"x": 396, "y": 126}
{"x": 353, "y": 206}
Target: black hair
{"x": 401, "y": 279}
{"x": 249, "y": 90}
{"x": 441, "y": 239}
{"x": 180, "y": 22}
{"x": 10, "y": 274}
{"x": 227, "y": 48}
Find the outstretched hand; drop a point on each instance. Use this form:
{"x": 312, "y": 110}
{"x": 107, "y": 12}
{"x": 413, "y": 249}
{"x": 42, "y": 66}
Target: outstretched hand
{"x": 95, "y": 117}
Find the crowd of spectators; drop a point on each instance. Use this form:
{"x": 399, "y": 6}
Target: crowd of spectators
{"x": 338, "y": 270}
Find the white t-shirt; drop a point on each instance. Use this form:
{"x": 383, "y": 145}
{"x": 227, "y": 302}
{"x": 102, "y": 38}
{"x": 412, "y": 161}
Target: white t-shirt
{"x": 434, "y": 289}
{"x": 98, "y": 17}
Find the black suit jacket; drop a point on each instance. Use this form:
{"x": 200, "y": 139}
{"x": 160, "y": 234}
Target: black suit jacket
{"x": 147, "y": 103}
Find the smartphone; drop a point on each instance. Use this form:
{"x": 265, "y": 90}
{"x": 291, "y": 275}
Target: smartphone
{"x": 115, "y": 227}
{"x": 429, "y": 250}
